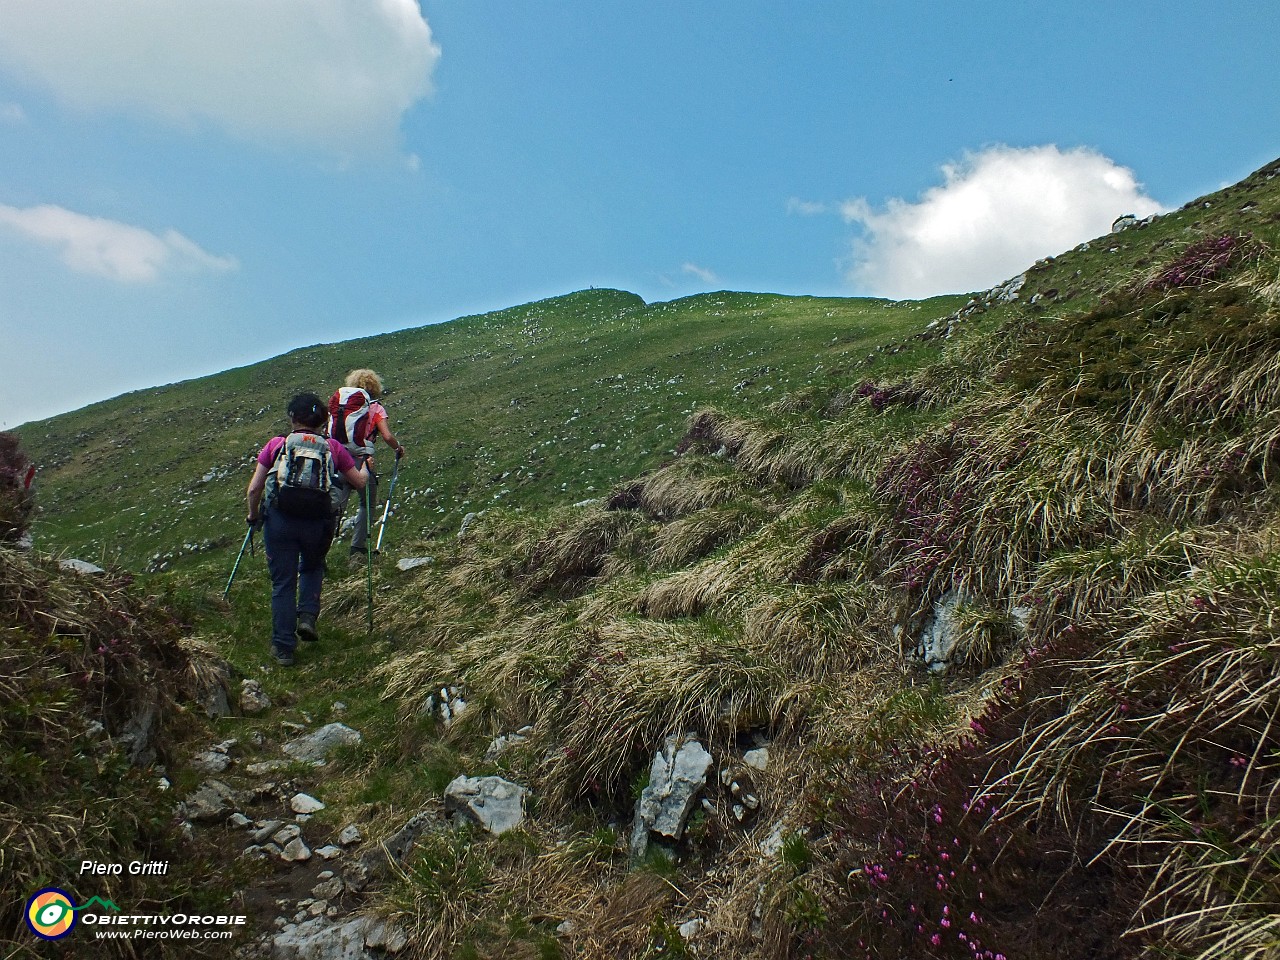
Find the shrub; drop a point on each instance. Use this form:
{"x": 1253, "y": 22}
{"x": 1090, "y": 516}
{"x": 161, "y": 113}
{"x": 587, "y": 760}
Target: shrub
{"x": 932, "y": 858}
{"x": 17, "y": 504}
{"x": 86, "y": 668}
{"x": 1204, "y": 261}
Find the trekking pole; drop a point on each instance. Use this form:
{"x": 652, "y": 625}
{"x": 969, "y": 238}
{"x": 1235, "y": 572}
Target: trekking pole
{"x": 248, "y": 542}
{"x": 368, "y": 547}
{"x": 386, "y": 507}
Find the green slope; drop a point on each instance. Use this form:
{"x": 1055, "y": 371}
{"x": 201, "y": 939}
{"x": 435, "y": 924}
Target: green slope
{"x": 548, "y": 402}
{"x": 505, "y": 408}
{"x": 1089, "y": 474}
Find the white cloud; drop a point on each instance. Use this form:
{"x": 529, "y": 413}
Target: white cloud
{"x": 995, "y": 214}
{"x": 334, "y": 73}
{"x": 109, "y": 248}
{"x": 702, "y": 273}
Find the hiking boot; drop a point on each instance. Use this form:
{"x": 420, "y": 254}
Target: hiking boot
{"x": 281, "y": 656}
{"x": 307, "y": 627}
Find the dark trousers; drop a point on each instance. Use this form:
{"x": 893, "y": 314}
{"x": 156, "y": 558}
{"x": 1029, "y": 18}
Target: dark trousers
{"x": 295, "y": 558}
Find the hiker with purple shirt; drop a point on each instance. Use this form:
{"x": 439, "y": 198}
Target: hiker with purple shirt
{"x": 297, "y": 480}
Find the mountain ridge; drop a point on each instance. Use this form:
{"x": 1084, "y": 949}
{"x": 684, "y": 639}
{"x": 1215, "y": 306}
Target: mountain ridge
{"x": 453, "y": 388}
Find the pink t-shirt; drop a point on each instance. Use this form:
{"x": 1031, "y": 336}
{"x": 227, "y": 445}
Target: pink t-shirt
{"x": 377, "y": 415}
{"x": 342, "y": 460}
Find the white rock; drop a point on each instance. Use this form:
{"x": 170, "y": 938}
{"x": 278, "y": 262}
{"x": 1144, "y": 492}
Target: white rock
{"x": 349, "y": 835}
{"x": 413, "y": 563}
{"x": 329, "y": 851}
{"x": 305, "y": 803}
{"x": 265, "y": 829}
{"x": 253, "y": 699}
{"x": 80, "y": 566}
{"x": 690, "y": 929}
{"x": 210, "y": 761}
{"x": 678, "y": 773}
{"x": 771, "y": 845}
{"x": 757, "y": 759}
{"x": 265, "y": 767}
{"x": 210, "y": 801}
{"x": 320, "y": 938}
{"x": 295, "y": 851}
{"x": 494, "y": 803}
{"x": 329, "y": 889}
{"x": 385, "y": 935}
{"x": 1021, "y": 617}
{"x": 318, "y": 745}
{"x": 500, "y": 745}
{"x": 941, "y": 634}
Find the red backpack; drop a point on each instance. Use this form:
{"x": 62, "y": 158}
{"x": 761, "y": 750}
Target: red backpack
{"x": 349, "y": 420}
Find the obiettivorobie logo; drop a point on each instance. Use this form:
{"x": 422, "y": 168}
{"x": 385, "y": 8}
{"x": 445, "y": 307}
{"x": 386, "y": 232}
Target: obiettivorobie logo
{"x": 51, "y": 913}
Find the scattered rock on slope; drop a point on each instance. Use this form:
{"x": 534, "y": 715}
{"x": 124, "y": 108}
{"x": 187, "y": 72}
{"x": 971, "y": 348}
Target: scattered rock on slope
{"x": 495, "y": 804}
{"x": 316, "y": 747}
{"x": 678, "y": 773}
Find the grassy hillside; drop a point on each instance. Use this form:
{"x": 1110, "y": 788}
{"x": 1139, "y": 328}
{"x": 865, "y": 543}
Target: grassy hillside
{"x": 1090, "y": 476}
{"x": 545, "y": 403}
{"x": 1085, "y": 478}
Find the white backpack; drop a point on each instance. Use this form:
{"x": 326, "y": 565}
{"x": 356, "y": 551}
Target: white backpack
{"x": 302, "y": 482}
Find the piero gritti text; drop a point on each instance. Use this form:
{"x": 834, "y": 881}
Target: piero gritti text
{"x": 135, "y": 868}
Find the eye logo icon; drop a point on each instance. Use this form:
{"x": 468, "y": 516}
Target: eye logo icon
{"x": 51, "y": 915}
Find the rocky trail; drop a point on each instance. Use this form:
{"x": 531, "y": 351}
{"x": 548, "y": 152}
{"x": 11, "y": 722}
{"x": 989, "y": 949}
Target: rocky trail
{"x": 311, "y": 881}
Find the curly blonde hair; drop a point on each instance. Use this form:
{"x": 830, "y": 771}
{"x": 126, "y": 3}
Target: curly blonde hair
{"x": 366, "y": 380}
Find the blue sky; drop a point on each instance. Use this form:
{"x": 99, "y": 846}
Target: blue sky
{"x": 189, "y": 187}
